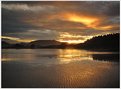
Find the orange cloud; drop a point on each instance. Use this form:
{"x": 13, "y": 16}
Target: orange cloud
{"x": 81, "y": 18}
{"x": 88, "y": 21}
{"x": 105, "y": 27}
{"x": 82, "y": 21}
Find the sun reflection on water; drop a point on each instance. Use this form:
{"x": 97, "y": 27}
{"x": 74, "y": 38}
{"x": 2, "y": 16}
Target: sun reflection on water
{"x": 48, "y": 56}
{"x": 71, "y": 55}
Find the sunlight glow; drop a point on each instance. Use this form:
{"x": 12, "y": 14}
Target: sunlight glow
{"x": 105, "y": 27}
{"x": 88, "y": 21}
{"x": 70, "y": 55}
{"x": 16, "y": 39}
{"x": 11, "y": 38}
{"x": 71, "y": 41}
{"x": 72, "y": 38}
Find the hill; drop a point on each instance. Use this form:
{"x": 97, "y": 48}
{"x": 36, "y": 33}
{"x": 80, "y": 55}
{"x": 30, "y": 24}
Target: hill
{"x": 10, "y": 41}
{"x": 43, "y": 43}
{"x": 6, "y": 44}
{"x": 15, "y": 45}
{"x": 109, "y": 42}
{"x": 46, "y": 44}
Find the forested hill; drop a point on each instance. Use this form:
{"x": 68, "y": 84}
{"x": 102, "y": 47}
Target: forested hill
{"x": 109, "y": 42}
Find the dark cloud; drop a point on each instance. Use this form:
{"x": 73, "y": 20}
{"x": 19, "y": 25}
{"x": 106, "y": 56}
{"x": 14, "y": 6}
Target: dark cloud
{"x": 113, "y": 9}
{"x": 12, "y": 23}
{"x": 10, "y": 20}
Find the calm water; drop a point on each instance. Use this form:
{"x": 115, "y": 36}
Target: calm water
{"x": 59, "y": 68}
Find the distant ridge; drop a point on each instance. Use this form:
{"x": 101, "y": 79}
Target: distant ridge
{"x": 35, "y": 44}
{"x": 109, "y": 42}
{"x": 44, "y": 43}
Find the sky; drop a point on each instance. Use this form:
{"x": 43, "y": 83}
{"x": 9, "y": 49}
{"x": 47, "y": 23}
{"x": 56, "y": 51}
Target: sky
{"x": 65, "y": 21}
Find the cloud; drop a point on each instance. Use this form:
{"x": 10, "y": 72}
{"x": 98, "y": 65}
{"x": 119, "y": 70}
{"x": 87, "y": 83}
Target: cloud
{"x": 113, "y": 9}
{"x": 46, "y": 20}
{"x": 26, "y": 7}
{"x": 36, "y": 34}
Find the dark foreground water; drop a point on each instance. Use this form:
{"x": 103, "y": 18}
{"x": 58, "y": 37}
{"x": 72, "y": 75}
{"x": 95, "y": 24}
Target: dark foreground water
{"x": 54, "y": 68}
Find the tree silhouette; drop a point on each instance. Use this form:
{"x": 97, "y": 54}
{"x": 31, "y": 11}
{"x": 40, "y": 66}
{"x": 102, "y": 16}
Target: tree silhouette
{"x": 106, "y": 42}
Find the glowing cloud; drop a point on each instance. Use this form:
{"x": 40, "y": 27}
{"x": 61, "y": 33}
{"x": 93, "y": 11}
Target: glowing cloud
{"x": 16, "y": 39}
{"x": 86, "y": 20}
{"x": 104, "y": 27}
{"x": 11, "y": 38}
{"x": 71, "y": 38}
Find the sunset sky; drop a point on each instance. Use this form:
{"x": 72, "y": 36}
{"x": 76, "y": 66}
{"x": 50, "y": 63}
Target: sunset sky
{"x": 66, "y": 21}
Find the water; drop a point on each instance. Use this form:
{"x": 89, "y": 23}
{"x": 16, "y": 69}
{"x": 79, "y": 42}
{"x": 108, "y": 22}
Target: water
{"x": 54, "y": 68}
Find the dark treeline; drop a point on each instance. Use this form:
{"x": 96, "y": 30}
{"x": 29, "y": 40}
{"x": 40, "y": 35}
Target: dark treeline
{"x": 109, "y": 42}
